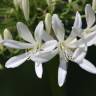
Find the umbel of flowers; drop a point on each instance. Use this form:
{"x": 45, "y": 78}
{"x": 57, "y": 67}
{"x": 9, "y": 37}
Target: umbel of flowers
{"x": 42, "y": 47}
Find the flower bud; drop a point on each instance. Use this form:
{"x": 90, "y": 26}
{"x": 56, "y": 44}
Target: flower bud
{"x": 7, "y": 34}
{"x": 70, "y": 1}
{"x": 0, "y": 37}
{"x": 51, "y": 4}
{"x": 24, "y": 6}
{"x": 1, "y": 47}
{"x": 94, "y": 5}
{"x": 25, "y": 9}
{"x": 48, "y": 20}
{"x": 17, "y": 3}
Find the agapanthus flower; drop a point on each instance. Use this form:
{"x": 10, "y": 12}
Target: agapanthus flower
{"x": 68, "y": 50}
{"x": 37, "y": 51}
{"x": 89, "y": 33}
{"x": 42, "y": 47}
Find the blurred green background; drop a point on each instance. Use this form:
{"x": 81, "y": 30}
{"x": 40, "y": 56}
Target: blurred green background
{"x": 22, "y": 81}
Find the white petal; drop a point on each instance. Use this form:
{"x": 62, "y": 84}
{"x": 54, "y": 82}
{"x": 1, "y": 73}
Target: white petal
{"x": 25, "y": 9}
{"x": 88, "y": 66}
{"x": 89, "y": 39}
{"x": 62, "y": 71}
{"x": 76, "y": 32}
{"x": 93, "y": 28}
{"x": 79, "y": 54}
{"x": 43, "y": 56}
{"x": 58, "y": 27}
{"x": 49, "y": 45}
{"x": 39, "y": 31}
{"x": 77, "y": 22}
{"x": 24, "y": 32}
{"x": 16, "y": 44}
{"x": 77, "y": 27}
{"x": 90, "y": 15}
{"x": 17, "y": 60}
{"x": 61, "y": 76}
{"x": 71, "y": 43}
{"x": 38, "y": 69}
{"x": 46, "y": 36}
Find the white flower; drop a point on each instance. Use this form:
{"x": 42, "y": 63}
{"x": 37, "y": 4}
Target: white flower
{"x": 38, "y": 51}
{"x": 68, "y": 50}
{"x": 89, "y": 33}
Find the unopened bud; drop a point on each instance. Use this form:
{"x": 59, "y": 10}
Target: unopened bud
{"x": 0, "y": 37}
{"x": 51, "y": 4}
{"x": 94, "y": 5}
{"x": 7, "y": 34}
{"x": 70, "y": 1}
{"x": 17, "y": 3}
{"x": 25, "y": 9}
{"x": 24, "y": 6}
{"x": 1, "y": 47}
{"x": 48, "y": 20}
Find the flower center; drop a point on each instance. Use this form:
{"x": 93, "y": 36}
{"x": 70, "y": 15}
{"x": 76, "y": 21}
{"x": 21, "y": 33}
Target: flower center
{"x": 87, "y": 30}
{"x": 36, "y": 48}
{"x": 65, "y": 51}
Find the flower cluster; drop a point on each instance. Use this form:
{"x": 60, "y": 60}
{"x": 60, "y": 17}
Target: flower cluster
{"x": 42, "y": 47}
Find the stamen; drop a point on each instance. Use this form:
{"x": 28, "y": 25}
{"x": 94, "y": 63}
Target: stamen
{"x": 67, "y": 53}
